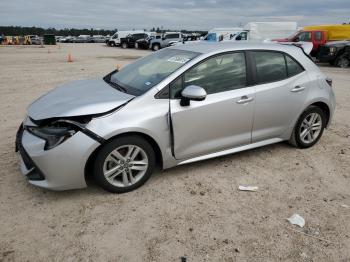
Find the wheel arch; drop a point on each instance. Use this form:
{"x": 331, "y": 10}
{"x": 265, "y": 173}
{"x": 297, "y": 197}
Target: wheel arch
{"x": 148, "y": 138}
{"x": 325, "y": 108}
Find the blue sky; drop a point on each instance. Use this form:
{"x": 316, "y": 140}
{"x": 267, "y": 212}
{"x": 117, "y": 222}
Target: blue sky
{"x": 186, "y": 14}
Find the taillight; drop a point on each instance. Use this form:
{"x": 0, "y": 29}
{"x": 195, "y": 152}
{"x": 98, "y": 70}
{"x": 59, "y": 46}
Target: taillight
{"x": 329, "y": 81}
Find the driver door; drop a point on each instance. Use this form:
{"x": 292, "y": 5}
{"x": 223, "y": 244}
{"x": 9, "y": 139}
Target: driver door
{"x": 224, "y": 119}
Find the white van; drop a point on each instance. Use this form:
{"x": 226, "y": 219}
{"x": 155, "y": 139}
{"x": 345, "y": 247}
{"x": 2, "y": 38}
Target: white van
{"x": 266, "y": 30}
{"x": 221, "y": 34}
{"x": 115, "y": 39}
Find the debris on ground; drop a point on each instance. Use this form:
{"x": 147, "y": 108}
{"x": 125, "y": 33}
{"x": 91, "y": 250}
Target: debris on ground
{"x": 248, "y": 188}
{"x": 345, "y": 206}
{"x": 296, "y": 219}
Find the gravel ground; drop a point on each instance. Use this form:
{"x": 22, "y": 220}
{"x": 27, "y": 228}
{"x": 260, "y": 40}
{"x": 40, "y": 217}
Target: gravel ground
{"x": 193, "y": 211}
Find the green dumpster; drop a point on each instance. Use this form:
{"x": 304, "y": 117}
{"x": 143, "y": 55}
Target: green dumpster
{"x": 49, "y": 40}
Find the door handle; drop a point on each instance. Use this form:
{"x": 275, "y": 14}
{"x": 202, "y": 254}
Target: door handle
{"x": 298, "y": 89}
{"x": 245, "y": 99}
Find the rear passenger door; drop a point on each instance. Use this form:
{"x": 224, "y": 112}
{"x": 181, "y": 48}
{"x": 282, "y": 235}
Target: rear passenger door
{"x": 280, "y": 93}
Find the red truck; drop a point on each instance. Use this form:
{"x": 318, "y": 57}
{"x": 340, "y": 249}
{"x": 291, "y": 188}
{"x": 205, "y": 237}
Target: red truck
{"x": 317, "y": 38}
{"x": 319, "y": 35}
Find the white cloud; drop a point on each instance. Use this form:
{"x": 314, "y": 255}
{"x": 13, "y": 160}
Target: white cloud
{"x": 191, "y": 14}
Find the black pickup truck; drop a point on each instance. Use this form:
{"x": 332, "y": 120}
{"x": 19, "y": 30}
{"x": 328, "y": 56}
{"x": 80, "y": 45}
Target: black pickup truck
{"x": 336, "y": 53}
{"x": 131, "y": 39}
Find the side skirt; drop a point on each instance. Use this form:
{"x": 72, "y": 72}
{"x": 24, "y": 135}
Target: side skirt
{"x": 232, "y": 150}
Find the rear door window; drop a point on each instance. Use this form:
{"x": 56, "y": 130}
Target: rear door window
{"x": 270, "y": 66}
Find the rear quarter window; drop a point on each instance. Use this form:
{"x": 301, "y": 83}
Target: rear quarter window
{"x": 293, "y": 67}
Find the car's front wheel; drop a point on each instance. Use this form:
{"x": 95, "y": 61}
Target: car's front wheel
{"x": 137, "y": 45}
{"x": 342, "y": 61}
{"x": 124, "y": 45}
{"x": 124, "y": 164}
{"x": 309, "y": 128}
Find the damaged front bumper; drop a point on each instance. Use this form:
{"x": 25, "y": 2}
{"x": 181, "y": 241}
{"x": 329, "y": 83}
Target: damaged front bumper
{"x": 59, "y": 168}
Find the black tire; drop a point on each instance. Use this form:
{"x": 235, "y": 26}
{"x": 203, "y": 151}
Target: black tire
{"x": 342, "y": 61}
{"x": 112, "y": 44}
{"x": 124, "y": 45}
{"x": 136, "y": 45}
{"x": 155, "y": 47}
{"x": 296, "y": 139}
{"x": 114, "y": 144}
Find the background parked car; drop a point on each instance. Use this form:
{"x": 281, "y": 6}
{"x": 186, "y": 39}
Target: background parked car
{"x": 66, "y": 39}
{"x": 98, "y": 39}
{"x": 166, "y": 40}
{"x": 35, "y": 40}
{"x": 319, "y": 35}
{"x": 82, "y": 39}
{"x": 115, "y": 39}
{"x": 334, "y": 53}
{"x": 130, "y": 40}
{"x": 144, "y": 43}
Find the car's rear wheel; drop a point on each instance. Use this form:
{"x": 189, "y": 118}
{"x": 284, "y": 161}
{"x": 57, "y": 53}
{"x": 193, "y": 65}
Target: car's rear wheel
{"x": 309, "y": 128}
{"x": 124, "y": 164}
{"x": 155, "y": 47}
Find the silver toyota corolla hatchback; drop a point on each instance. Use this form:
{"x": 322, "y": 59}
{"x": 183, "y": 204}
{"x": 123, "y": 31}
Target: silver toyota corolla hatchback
{"x": 179, "y": 105}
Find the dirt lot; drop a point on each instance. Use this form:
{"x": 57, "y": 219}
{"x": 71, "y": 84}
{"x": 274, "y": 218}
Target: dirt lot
{"x": 194, "y": 211}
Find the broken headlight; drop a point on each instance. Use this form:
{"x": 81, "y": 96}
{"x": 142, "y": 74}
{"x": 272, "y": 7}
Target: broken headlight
{"x": 52, "y": 135}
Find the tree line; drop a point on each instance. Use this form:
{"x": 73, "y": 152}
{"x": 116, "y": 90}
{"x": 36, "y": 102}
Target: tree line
{"x": 20, "y": 31}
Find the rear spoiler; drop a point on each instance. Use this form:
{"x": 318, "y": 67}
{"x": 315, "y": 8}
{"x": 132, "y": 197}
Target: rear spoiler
{"x": 305, "y": 46}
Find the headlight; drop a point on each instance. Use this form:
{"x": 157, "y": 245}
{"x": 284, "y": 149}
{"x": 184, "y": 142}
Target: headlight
{"x": 332, "y": 49}
{"x": 52, "y": 135}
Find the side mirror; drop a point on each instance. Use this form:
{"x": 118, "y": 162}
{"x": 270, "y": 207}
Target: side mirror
{"x": 192, "y": 92}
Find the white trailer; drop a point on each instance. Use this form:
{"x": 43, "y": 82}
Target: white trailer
{"x": 266, "y": 30}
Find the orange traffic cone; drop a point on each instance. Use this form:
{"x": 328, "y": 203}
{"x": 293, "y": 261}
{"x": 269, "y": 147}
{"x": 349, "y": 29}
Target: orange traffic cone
{"x": 69, "y": 59}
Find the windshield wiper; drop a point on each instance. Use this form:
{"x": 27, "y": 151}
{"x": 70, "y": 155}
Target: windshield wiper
{"x": 108, "y": 77}
{"x": 118, "y": 87}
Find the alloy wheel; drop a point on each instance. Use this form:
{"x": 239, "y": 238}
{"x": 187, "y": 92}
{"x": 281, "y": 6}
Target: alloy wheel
{"x": 310, "y": 128}
{"x": 125, "y": 166}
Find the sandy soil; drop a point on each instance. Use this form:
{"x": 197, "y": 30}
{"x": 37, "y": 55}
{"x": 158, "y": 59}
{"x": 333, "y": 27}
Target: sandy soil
{"x": 194, "y": 211}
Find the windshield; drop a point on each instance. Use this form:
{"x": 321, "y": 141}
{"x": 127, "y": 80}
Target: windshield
{"x": 140, "y": 76}
{"x": 292, "y": 36}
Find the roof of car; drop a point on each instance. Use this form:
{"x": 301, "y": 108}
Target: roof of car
{"x": 211, "y": 47}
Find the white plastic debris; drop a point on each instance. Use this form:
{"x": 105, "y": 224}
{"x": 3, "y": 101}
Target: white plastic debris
{"x": 296, "y": 219}
{"x": 248, "y": 188}
{"x": 345, "y": 206}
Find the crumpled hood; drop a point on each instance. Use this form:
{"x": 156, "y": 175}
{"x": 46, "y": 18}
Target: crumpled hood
{"x": 82, "y": 97}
